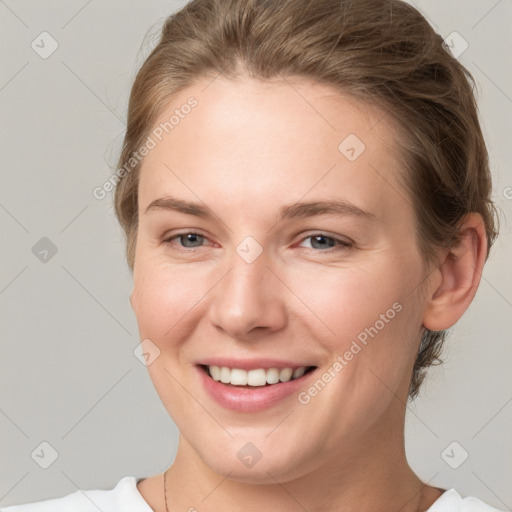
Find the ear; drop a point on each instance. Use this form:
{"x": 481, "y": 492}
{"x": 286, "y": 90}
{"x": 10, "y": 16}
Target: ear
{"x": 457, "y": 276}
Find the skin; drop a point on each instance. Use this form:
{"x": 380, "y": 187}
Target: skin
{"x": 248, "y": 149}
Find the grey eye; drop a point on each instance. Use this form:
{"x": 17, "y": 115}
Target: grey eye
{"x": 191, "y": 240}
{"x": 322, "y": 241}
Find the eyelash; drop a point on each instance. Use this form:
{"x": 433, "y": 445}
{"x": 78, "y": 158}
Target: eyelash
{"x": 340, "y": 244}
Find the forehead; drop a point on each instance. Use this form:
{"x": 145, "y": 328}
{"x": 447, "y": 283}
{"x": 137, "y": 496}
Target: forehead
{"x": 284, "y": 136}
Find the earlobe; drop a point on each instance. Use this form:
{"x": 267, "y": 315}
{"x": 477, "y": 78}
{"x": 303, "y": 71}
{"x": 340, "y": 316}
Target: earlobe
{"x": 458, "y": 276}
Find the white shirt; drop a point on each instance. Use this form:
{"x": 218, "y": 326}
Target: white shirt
{"x": 125, "y": 497}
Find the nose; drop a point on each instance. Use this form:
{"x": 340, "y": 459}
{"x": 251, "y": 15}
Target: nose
{"x": 249, "y": 301}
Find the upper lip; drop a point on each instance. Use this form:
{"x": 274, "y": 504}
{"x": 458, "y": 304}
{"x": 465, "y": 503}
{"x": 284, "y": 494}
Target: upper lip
{"x": 251, "y": 364}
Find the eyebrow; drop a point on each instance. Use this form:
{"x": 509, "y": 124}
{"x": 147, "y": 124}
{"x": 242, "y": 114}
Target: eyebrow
{"x": 293, "y": 211}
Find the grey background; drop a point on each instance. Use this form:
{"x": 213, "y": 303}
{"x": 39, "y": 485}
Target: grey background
{"x": 68, "y": 373}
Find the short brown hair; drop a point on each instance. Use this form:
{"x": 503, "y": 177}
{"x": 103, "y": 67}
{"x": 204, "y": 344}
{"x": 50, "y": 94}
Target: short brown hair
{"x": 379, "y": 51}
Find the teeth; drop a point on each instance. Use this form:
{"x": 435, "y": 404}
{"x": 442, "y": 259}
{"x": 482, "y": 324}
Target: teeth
{"x": 272, "y": 376}
{"x": 257, "y": 377}
{"x": 238, "y": 377}
{"x": 215, "y": 372}
{"x": 299, "y": 372}
{"x": 285, "y": 374}
{"x": 254, "y": 377}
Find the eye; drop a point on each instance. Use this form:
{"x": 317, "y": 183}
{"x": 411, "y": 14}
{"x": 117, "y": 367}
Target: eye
{"x": 187, "y": 240}
{"x": 323, "y": 241}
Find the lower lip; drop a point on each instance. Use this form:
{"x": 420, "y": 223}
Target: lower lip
{"x": 250, "y": 399}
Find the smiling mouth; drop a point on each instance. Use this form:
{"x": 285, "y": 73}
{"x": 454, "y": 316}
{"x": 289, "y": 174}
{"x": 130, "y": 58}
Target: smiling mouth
{"x": 257, "y": 378}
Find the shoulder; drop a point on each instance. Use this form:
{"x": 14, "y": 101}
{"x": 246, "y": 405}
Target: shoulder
{"x": 124, "y": 497}
{"x": 452, "y": 501}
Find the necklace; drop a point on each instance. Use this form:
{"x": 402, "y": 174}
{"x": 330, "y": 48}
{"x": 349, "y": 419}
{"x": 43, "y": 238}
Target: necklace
{"x": 165, "y": 491}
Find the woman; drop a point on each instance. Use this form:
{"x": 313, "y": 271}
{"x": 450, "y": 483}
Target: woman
{"x": 305, "y": 191}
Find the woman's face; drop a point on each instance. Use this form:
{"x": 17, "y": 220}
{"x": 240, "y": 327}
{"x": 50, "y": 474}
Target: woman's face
{"x": 301, "y": 253}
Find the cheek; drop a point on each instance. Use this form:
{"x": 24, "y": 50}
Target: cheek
{"x": 166, "y": 296}
{"x": 167, "y": 304}
{"x": 352, "y": 299}
{"x": 370, "y": 314}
